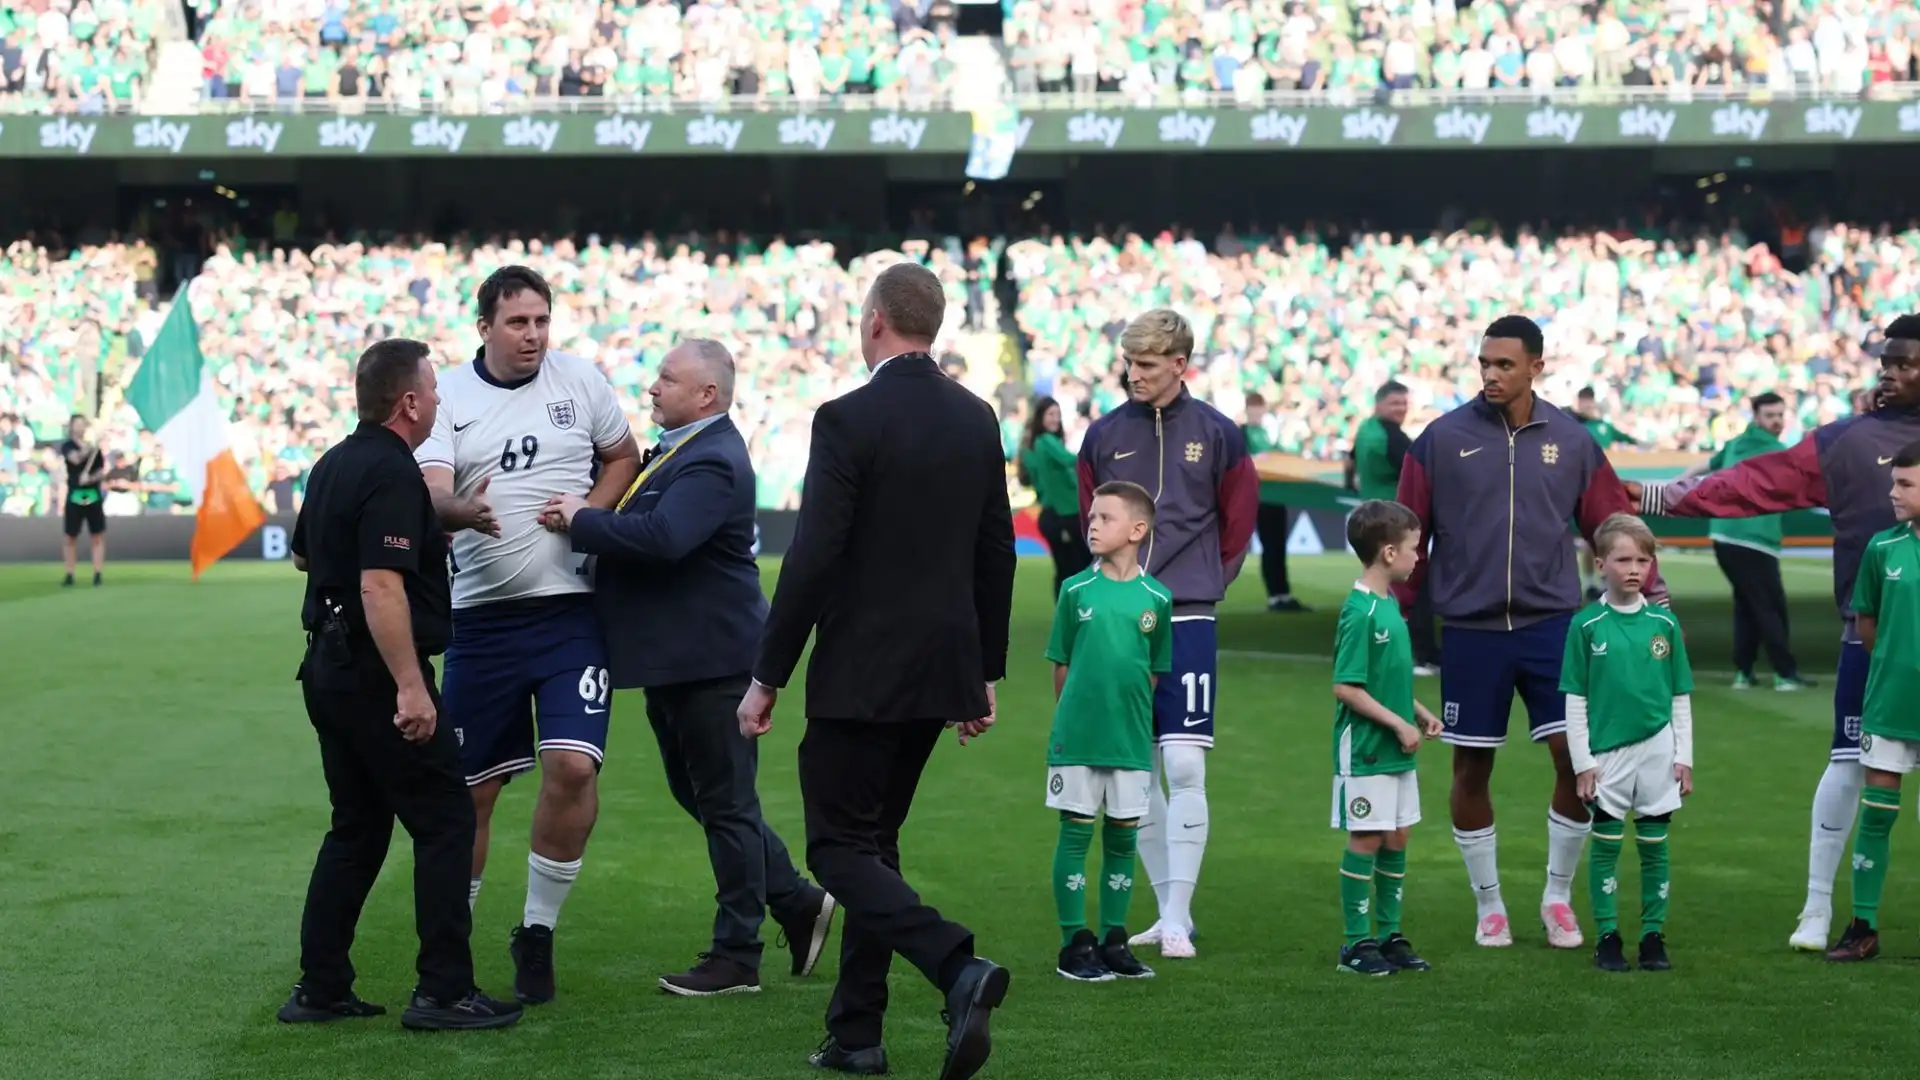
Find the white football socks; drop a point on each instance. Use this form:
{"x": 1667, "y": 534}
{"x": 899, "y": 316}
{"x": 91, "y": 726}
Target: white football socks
{"x": 1186, "y": 829}
{"x": 548, "y": 882}
{"x": 1483, "y": 871}
{"x": 473, "y": 893}
{"x": 1566, "y": 839}
{"x": 1152, "y": 844}
{"x": 1835, "y": 802}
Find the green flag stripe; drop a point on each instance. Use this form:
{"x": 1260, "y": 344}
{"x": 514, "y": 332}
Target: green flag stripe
{"x": 169, "y": 375}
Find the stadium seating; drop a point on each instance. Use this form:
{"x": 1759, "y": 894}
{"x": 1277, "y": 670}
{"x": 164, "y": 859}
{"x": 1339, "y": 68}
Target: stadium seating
{"x": 79, "y": 56}
{"x": 1672, "y": 332}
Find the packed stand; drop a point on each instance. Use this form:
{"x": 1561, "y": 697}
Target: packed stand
{"x": 61, "y": 56}
{"x": 1161, "y": 52}
{"x": 499, "y": 56}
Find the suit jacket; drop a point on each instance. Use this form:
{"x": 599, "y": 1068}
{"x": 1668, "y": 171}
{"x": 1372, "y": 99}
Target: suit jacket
{"x": 902, "y": 558}
{"x": 676, "y": 583}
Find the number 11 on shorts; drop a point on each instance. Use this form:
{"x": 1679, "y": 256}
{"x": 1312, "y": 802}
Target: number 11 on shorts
{"x": 1199, "y": 686}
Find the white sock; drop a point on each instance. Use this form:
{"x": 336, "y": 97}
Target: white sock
{"x": 1835, "y": 802}
{"x": 1186, "y": 829}
{"x": 1483, "y": 870}
{"x": 1566, "y": 839}
{"x": 548, "y": 882}
{"x": 473, "y": 893}
{"x": 1152, "y": 843}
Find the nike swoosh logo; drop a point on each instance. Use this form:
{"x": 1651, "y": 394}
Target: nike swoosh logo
{"x": 1883, "y": 461}
{"x": 1117, "y": 455}
{"x": 1824, "y": 828}
{"x": 1191, "y": 722}
{"x": 462, "y": 427}
{"x": 1463, "y": 453}
{"x": 595, "y": 712}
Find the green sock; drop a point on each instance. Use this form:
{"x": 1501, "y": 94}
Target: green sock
{"x": 1603, "y": 873}
{"x": 1389, "y": 877}
{"x": 1120, "y": 843}
{"x": 1356, "y": 889}
{"x": 1652, "y": 838}
{"x": 1070, "y": 876}
{"x": 1872, "y": 846}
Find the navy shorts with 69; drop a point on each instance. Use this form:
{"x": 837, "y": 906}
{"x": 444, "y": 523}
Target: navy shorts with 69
{"x": 509, "y": 657}
{"x": 1481, "y": 670}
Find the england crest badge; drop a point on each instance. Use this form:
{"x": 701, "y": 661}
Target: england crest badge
{"x": 561, "y": 413}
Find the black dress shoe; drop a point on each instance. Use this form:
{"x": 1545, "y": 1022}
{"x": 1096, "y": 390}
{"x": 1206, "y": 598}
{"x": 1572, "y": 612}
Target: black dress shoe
{"x": 871, "y": 1061}
{"x": 981, "y": 988}
{"x": 805, "y": 932}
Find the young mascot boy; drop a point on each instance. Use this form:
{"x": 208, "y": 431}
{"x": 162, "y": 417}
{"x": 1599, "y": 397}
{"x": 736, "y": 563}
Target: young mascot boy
{"x": 1112, "y": 639}
{"x": 1630, "y": 734}
{"x": 1377, "y": 726}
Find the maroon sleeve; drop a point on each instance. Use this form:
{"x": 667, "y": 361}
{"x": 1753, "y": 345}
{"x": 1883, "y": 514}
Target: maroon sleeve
{"x": 1416, "y": 494}
{"x": 1087, "y": 482}
{"x": 1606, "y": 496}
{"x": 1772, "y": 483}
{"x": 1239, "y": 496}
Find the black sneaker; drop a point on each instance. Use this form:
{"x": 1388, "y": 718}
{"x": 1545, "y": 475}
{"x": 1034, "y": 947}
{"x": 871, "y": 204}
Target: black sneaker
{"x": 305, "y": 1008}
{"x": 67, "y": 582}
{"x": 712, "y": 976}
{"x": 96, "y": 579}
{"x": 474, "y": 1012}
{"x": 1120, "y": 960}
{"x": 1859, "y": 942}
{"x": 1653, "y": 953}
{"x": 1288, "y": 605}
{"x": 1611, "y": 955}
{"x": 532, "y": 952}
{"x": 869, "y": 1061}
{"x": 805, "y": 933}
{"x": 1081, "y": 961}
{"x": 1398, "y": 951}
{"x": 1363, "y": 958}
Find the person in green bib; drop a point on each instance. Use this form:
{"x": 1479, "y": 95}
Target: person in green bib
{"x": 1270, "y": 521}
{"x": 1748, "y": 551}
{"x": 1052, "y": 471}
{"x": 1373, "y": 472}
{"x": 86, "y": 467}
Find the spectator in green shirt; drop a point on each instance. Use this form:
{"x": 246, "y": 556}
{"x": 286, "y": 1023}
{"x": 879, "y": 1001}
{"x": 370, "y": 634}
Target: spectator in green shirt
{"x": 1270, "y": 522}
{"x": 1748, "y": 551}
{"x": 1379, "y": 446}
{"x": 1050, "y": 469}
{"x": 1587, "y": 408}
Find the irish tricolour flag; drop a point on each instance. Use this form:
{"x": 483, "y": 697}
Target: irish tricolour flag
{"x": 173, "y": 392}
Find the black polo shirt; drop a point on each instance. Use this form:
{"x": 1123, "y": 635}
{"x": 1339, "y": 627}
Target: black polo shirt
{"x": 367, "y": 508}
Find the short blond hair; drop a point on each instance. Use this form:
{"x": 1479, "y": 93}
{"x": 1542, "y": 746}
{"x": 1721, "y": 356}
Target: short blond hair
{"x": 1160, "y": 332}
{"x": 1619, "y": 526}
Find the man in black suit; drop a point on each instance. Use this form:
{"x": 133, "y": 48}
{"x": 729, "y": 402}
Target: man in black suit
{"x": 678, "y": 592}
{"x": 903, "y": 558}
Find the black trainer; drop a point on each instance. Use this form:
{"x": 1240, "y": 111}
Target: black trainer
{"x": 1080, "y": 961}
{"x": 712, "y": 976}
{"x": 532, "y": 952}
{"x": 1398, "y": 951}
{"x": 1363, "y": 958}
{"x": 1611, "y": 953}
{"x": 804, "y": 934}
{"x": 67, "y": 582}
{"x": 1858, "y": 942}
{"x": 868, "y": 1061}
{"x": 1653, "y": 953}
{"x": 474, "y": 1012}
{"x": 303, "y": 1007}
{"x": 96, "y": 579}
{"x": 1120, "y": 959}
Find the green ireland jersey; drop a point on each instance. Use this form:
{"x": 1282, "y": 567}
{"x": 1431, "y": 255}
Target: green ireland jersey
{"x": 1114, "y": 637}
{"x": 1629, "y": 665}
{"x": 1373, "y": 471}
{"x": 1371, "y": 650}
{"x": 1760, "y": 533}
{"x": 1888, "y": 588}
{"x": 1606, "y": 434}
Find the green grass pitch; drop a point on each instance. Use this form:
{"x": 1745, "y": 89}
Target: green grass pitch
{"x": 161, "y": 801}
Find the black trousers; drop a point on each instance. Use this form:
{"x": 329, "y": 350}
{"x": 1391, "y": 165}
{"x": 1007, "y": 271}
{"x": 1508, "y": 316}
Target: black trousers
{"x": 857, "y": 779}
{"x": 1759, "y": 608}
{"x": 373, "y": 776}
{"x": 711, "y": 770}
{"x": 1426, "y": 644}
{"x": 1270, "y": 523}
{"x": 1066, "y": 544}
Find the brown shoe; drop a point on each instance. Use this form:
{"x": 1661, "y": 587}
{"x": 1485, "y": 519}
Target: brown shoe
{"x": 712, "y": 976}
{"x": 1859, "y": 942}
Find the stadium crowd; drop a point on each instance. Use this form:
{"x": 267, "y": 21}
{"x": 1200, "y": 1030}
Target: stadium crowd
{"x": 1672, "y": 332}
{"x": 91, "y": 55}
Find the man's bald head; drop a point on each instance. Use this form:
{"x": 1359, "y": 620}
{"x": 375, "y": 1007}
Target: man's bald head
{"x": 696, "y": 381}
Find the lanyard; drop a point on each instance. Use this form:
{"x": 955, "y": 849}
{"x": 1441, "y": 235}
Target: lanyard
{"x": 648, "y": 471}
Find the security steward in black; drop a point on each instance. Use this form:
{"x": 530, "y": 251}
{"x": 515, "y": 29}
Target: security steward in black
{"x": 378, "y": 608}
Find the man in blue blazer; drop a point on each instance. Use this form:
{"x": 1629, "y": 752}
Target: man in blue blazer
{"x": 678, "y": 590}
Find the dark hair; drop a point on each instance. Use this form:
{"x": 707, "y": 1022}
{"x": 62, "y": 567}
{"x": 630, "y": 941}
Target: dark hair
{"x": 1256, "y": 398}
{"x": 1908, "y": 457}
{"x": 76, "y": 416}
{"x": 1519, "y": 327}
{"x": 1387, "y": 390}
{"x": 1037, "y": 420}
{"x": 1761, "y": 401}
{"x": 1905, "y": 328}
{"x": 509, "y": 282}
{"x": 388, "y": 371}
{"x": 1585, "y": 392}
{"x": 1132, "y": 494}
{"x": 1376, "y": 523}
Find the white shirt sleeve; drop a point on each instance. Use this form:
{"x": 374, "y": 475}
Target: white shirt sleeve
{"x": 609, "y": 424}
{"x": 1683, "y": 730}
{"x": 1578, "y": 747}
{"x": 438, "y": 449}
